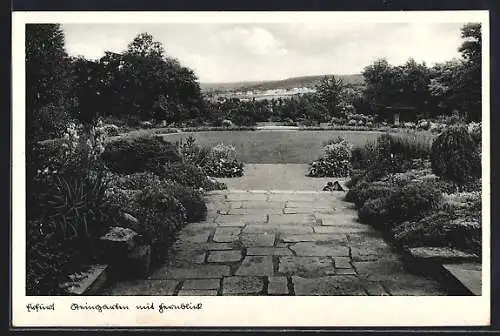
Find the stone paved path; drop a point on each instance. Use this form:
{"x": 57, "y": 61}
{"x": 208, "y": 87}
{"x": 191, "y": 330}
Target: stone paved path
{"x": 286, "y": 176}
{"x": 282, "y": 243}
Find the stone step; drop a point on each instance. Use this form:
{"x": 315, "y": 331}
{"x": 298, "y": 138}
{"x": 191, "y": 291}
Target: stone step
{"x": 93, "y": 281}
{"x": 451, "y": 267}
{"x": 466, "y": 278}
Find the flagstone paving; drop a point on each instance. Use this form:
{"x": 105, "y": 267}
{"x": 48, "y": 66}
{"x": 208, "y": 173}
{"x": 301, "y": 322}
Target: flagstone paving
{"x": 279, "y": 243}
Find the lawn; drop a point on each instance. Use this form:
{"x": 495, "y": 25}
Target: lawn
{"x": 276, "y": 146}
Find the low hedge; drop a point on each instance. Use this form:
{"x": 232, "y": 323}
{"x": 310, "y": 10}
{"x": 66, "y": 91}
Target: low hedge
{"x": 384, "y": 204}
{"x": 145, "y": 153}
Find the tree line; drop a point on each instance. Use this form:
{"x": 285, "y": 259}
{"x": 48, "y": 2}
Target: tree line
{"x": 145, "y": 83}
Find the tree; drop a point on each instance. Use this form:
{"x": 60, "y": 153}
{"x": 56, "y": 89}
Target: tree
{"x": 471, "y": 75}
{"x": 89, "y": 89}
{"x": 143, "y": 45}
{"x": 412, "y": 81}
{"x": 47, "y": 81}
{"x": 380, "y": 89}
{"x": 457, "y": 83}
{"x": 143, "y": 75}
{"x": 328, "y": 96}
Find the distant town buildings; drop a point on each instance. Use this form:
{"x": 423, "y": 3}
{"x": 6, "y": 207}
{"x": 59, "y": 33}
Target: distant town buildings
{"x": 263, "y": 94}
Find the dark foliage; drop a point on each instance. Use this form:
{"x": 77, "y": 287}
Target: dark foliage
{"x": 126, "y": 156}
{"x": 455, "y": 156}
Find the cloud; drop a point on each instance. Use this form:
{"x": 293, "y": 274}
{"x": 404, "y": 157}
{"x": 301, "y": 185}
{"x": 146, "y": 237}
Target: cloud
{"x": 236, "y": 52}
{"x": 253, "y": 40}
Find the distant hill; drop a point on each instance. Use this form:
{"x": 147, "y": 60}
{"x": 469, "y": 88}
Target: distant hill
{"x": 289, "y": 83}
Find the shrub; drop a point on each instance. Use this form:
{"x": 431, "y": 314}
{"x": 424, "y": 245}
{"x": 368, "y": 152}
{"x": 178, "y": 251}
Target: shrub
{"x": 76, "y": 205}
{"x": 374, "y": 211}
{"x": 474, "y": 130}
{"x": 191, "y": 200}
{"x": 455, "y": 156}
{"x": 366, "y": 191}
{"x": 223, "y": 168}
{"x": 409, "y": 146}
{"x": 48, "y": 122}
{"x": 222, "y": 151}
{"x": 192, "y": 153}
{"x": 393, "y": 203}
{"x": 111, "y": 130}
{"x": 189, "y": 175}
{"x": 46, "y": 259}
{"x": 444, "y": 228}
{"x": 362, "y": 156}
{"x": 145, "y": 153}
{"x": 222, "y": 162}
{"x": 413, "y": 199}
{"x": 391, "y": 154}
{"x": 67, "y": 206}
{"x": 335, "y": 162}
{"x": 356, "y": 177}
{"x": 161, "y": 215}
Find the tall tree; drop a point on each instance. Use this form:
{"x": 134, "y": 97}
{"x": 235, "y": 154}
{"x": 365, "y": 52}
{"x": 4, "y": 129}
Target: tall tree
{"x": 457, "y": 83}
{"x": 380, "y": 88}
{"x": 329, "y": 92}
{"x": 47, "y": 80}
{"x": 471, "y": 81}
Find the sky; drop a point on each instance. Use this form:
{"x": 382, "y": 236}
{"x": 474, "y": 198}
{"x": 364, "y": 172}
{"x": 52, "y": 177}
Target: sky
{"x": 227, "y": 52}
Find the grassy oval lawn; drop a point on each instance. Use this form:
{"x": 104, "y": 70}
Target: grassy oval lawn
{"x": 265, "y": 146}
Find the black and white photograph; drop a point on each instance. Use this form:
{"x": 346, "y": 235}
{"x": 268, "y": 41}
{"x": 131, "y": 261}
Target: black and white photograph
{"x": 319, "y": 157}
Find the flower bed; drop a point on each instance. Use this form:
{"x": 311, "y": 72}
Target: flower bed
{"x": 415, "y": 204}
{"x": 81, "y": 185}
{"x": 218, "y": 161}
{"x": 335, "y": 162}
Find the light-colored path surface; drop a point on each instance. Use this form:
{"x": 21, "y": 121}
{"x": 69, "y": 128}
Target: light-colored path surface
{"x": 286, "y": 243}
{"x": 268, "y": 177}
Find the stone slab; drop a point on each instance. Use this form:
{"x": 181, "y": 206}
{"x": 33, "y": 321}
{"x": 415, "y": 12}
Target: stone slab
{"x": 219, "y": 246}
{"x": 93, "y": 282}
{"x": 236, "y": 285}
{"x": 257, "y": 240}
{"x": 295, "y": 229}
{"x": 440, "y": 254}
{"x": 414, "y": 288}
{"x": 226, "y": 234}
{"x": 143, "y": 288}
{"x": 305, "y": 266}
{"x": 345, "y": 271}
{"x": 269, "y": 251}
{"x": 227, "y": 256}
{"x": 342, "y": 229}
{"x": 277, "y": 285}
{"x": 469, "y": 275}
{"x": 194, "y": 292}
{"x": 256, "y": 266}
{"x": 340, "y": 218}
{"x": 246, "y": 196}
{"x": 380, "y": 270}
{"x": 315, "y": 237}
{"x": 200, "y": 236}
{"x": 263, "y": 228}
{"x": 240, "y": 220}
{"x": 375, "y": 289}
{"x": 342, "y": 262}
{"x": 320, "y": 249}
{"x": 328, "y": 286}
{"x": 200, "y": 284}
{"x": 196, "y": 272}
{"x": 294, "y": 219}
{"x": 264, "y": 205}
